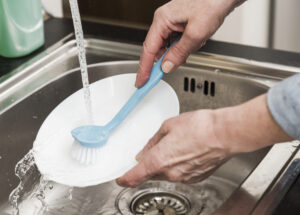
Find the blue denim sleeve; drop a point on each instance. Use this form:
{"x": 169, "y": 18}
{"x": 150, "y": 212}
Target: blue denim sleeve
{"x": 284, "y": 104}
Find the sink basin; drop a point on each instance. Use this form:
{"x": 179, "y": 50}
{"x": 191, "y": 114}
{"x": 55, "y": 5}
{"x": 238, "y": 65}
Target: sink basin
{"x": 31, "y": 92}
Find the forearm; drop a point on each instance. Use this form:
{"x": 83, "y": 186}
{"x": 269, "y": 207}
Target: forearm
{"x": 249, "y": 126}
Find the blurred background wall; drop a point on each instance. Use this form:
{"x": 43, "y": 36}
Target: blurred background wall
{"x": 262, "y": 23}
{"x": 287, "y": 25}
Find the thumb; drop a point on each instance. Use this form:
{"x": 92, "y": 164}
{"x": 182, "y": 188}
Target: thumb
{"x": 177, "y": 54}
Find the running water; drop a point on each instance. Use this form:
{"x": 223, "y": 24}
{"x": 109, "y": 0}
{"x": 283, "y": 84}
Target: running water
{"x": 26, "y": 165}
{"x": 82, "y": 58}
{"x": 34, "y": 194}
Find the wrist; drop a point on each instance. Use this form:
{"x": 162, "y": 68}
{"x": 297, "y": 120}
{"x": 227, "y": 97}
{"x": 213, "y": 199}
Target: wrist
{"x": 225, "y": 7}
{"x": 225, "y": 129}
{"x": 248, "y": 127}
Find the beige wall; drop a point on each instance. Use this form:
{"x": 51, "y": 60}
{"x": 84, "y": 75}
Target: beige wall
{"x": 247, "y": 24}
{"x": 287, "y": 25}
{"x": 54, "y": 7}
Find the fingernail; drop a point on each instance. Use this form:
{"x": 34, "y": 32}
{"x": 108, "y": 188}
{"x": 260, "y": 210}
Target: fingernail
{"x": 136, "y": 80}
{"x": 168, "y": 66}
{"x": 119, "y": 182}
{"x": 138, "y": 157}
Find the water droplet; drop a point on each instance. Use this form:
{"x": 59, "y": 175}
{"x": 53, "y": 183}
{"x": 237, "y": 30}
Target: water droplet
{"x": 34, "y": 117}
{"x": 40, "y": 196}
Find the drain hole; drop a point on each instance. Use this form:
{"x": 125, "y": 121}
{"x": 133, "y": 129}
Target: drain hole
{"x": 212, "y": 88}
{"x": 186, "y": 84}
{"x": 206, "y": 87}
{"x": 160, "y": 197}
{"x": 161, "y": 203}
{"x": 193, "y": 85}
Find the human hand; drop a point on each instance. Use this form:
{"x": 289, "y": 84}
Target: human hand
{"x": 185, "y": 149}
{"x": 197, "y": 19}
{"x": 189, "y": 147}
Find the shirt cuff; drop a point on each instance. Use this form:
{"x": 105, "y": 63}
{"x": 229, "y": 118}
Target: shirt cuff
{"x": 284, "y": 104}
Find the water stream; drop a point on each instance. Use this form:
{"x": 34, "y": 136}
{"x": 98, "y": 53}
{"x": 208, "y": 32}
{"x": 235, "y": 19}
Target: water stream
{"x": 82, "y": 58}
{"x": 26, "y": 166}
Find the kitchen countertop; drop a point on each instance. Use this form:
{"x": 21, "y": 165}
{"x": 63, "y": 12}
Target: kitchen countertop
{"x": 56, "y": 29}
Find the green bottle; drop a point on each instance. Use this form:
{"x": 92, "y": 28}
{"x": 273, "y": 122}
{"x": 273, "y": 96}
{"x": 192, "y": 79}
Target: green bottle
{"x": 21, "y": 27}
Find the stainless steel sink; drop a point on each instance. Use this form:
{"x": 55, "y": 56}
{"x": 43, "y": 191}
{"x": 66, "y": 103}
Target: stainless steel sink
{"x": 28, "y": 95}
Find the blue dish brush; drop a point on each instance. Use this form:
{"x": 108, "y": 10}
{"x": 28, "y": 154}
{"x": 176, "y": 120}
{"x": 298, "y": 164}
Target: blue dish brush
{"x": 90, "y": 138}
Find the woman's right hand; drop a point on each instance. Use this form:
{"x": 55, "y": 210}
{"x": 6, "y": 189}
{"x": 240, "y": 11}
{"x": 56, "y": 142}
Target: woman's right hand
{"x": 197, "y": 19}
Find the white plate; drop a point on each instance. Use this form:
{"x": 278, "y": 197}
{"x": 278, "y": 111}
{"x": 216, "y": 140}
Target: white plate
{"x": 52, "y": 147}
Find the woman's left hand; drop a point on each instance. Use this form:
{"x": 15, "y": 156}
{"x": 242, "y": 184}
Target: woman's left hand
{"x": 185, "y": 149}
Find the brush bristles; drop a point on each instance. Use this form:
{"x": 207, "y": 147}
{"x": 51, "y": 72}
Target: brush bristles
{"x": 85, "y": 155}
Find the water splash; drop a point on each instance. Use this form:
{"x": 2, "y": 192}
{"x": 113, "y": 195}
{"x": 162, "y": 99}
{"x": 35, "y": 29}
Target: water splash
{"x": 21, "y": 170}
{"x": 32, "y": 186}
{"x": 82, "y": 58}
{"x": 69, "y": 195}
{"x": 40, "y": 193}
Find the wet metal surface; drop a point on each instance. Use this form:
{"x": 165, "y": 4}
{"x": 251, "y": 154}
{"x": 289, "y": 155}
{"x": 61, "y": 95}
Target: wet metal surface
{"x": 29, "y": 94}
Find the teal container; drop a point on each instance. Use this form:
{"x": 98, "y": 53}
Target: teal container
{"x": 21, "y": 27}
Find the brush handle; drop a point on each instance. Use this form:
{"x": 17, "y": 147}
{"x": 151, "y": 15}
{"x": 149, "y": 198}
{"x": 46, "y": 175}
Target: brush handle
{"x": 155, "y": 76}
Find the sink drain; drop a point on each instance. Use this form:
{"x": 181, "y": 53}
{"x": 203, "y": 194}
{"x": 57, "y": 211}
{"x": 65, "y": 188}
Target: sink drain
{"x": 160, "y": 203}
{"x": 165, "y": 198}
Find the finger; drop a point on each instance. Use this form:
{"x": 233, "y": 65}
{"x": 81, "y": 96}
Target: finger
{"x": 195, "y": 179}
{"x": 202, "y": 173}
{"x": 160, "y": 53}
{"x": 154, "y": 163}
{"x": 153, "y": 43}
{"x": 178, "y": 54}
{"x": 181, "y": 173}
{"x": 163, "y": 131}
{"x": 134, "y": 177}
{"x": 174, "y": 36}
{"x": 147, "y": 168}
{"x": 173, "y": 174}
{"x": 158, "y": 177}
{"x": 162, "y": 50}
{"x": 204, "y": 162}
